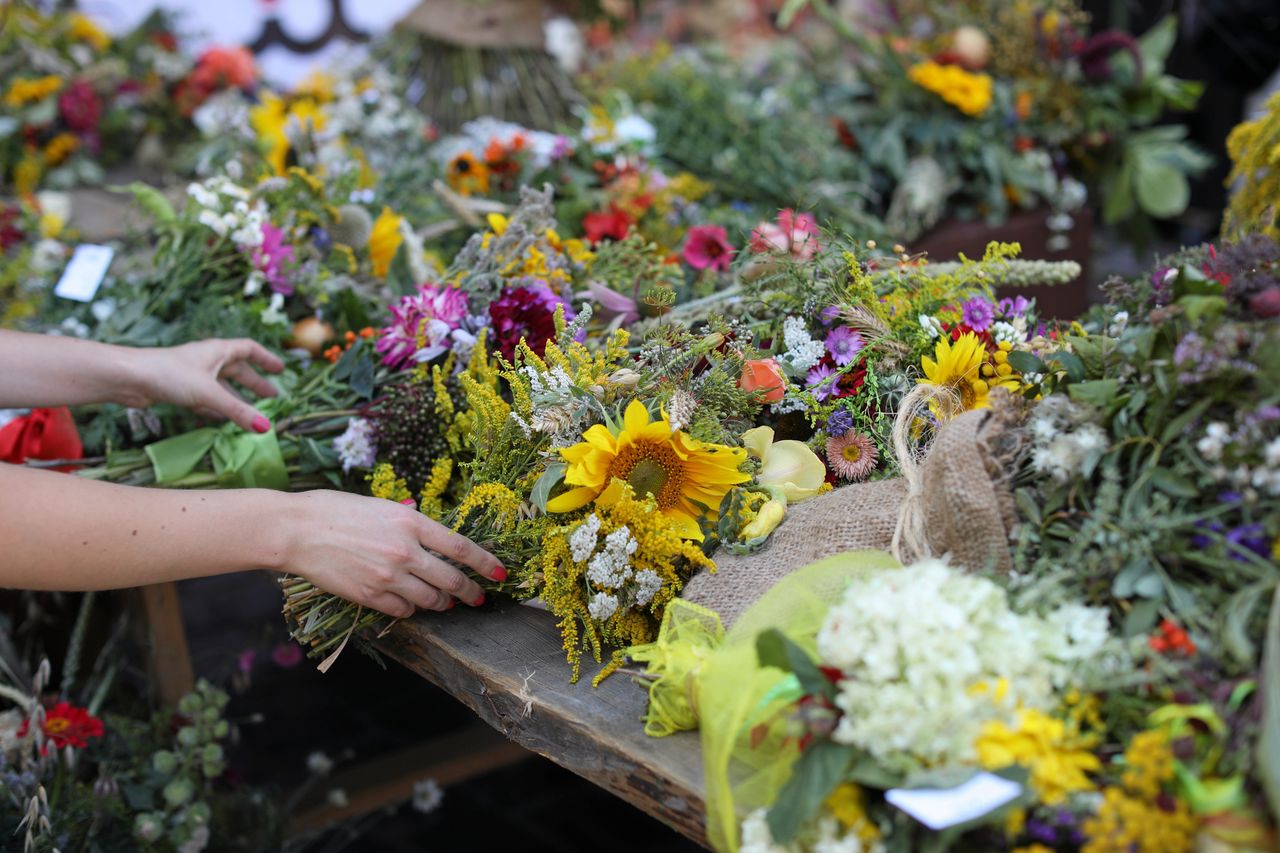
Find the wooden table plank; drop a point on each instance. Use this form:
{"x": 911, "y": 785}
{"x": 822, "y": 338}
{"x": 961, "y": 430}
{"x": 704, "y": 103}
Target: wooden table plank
{"x": 505, "y": 663}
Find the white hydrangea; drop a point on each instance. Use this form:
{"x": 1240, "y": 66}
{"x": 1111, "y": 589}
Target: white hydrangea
{"x": 582, "y": 542}
{"x": 602, "y": 605}
{"x": 357, "y": 446}
{"x": 929, "y": 655}
{"x": 803, "y": 352}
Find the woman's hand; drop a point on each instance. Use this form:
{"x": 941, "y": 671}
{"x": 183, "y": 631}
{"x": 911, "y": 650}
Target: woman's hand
{"x": 197, "y": 376}
{"x": 375, "y": 552}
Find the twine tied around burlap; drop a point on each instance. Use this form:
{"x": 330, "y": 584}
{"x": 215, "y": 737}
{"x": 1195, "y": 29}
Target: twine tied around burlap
{"x": 953, "y": 498}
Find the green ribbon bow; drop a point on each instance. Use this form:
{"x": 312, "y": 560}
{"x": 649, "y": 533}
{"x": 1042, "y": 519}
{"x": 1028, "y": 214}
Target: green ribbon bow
{"x": 242, "y": 460}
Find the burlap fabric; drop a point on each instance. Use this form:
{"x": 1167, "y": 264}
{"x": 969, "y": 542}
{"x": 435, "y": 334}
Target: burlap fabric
{"x": 963, "y": 498}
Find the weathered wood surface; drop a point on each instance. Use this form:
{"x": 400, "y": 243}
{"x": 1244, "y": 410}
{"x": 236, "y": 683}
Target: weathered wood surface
{"x": 506, "y": 664}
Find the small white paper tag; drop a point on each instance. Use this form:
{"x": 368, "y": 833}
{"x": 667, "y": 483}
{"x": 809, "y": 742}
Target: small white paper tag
{"x": 84, "y": 273}
{"x": 939, "y": 808}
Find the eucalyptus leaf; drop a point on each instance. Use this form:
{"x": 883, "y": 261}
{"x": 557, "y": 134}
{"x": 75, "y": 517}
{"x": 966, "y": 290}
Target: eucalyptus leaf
{"x": 542, "y": 488}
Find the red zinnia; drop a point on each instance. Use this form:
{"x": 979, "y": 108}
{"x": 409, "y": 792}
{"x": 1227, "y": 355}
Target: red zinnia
{"x": 707, "y": 247}
{"x": 67, "y": 725}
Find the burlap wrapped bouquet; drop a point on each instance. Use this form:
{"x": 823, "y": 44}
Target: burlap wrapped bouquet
{"x": 957, "y": 501}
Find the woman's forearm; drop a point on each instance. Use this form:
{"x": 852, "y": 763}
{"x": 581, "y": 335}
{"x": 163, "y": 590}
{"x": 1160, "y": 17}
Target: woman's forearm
{"x": 59, "y": 532}
{"x": 45, "y": 370}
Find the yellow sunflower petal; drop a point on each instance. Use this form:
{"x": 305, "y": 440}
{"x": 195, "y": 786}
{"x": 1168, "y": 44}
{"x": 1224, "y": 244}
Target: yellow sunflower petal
{"x": 572, "y": 499}
{"x": 636, "y": 417}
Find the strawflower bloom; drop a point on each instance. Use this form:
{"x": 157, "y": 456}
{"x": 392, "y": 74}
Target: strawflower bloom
{"x": 682, "y": 474}
{"x": 852, "y": 455}
{"x": 67, "y": 725}
{"x": 821, "y": 381}
{"x": 843, "y": 343}
{"x": 707, "y": 247}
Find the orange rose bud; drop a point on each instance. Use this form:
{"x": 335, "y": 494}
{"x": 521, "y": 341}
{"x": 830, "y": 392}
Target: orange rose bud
{"x": 764, "y": 375}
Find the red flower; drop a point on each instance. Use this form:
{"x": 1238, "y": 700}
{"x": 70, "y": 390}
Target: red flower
{"x": 612, "y": 224}
{"x": 67, "y": 725}
{"x": 528, "y": 313}
{"x": 707, "y": 247}
{"x": 10, "y": 234}
{"x": 80, "y": 107}
{"x": 43, "y": 434}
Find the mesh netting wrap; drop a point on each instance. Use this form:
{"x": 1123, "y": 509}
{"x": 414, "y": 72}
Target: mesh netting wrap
{"x": 954, "y": 498}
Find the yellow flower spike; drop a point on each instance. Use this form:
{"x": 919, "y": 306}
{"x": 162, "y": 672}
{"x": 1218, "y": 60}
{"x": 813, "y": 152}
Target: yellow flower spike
{"x": 788, "y": 465}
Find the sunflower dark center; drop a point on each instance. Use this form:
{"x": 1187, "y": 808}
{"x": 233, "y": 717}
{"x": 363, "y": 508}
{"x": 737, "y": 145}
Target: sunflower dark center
{"x": 650, "y": 468}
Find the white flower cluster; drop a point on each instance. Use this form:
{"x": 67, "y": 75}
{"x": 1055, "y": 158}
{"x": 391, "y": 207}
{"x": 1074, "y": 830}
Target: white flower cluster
{"x": 932, "y": 325}
{"x": 357, "y": 446}
{"x": 1220, "y": 440}
{"x": 1002, "y": 332}
{"x": 605, "y": 137}
{"x": 929, "y": 655}
{"x": 1064, "y": 438}
{"x": 803, "y": 352}
{"x": 614, "y": 581}
{"x": 227, "y": 209}
{"x": 756, "y": 838}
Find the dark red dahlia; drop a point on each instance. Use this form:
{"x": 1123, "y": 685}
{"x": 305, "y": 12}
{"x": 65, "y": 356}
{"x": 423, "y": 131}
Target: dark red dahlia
{"x": 67, "y": 725}
{"x": 80, "y": 107}
{"x": 528, "y": 313}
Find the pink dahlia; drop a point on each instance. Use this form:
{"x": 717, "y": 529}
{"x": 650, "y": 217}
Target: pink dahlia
{"x": 707, "y": 247}
{"x": 273, "y": 259}
{"x": 852, "y": 456}
{"x": 794, "y": 233}
{"x": 421, "y": 325}
{"x": 528, "y": 314}
{"x": 80, "y": 107}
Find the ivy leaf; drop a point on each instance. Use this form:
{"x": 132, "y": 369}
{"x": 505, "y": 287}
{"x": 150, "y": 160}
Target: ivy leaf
{"x": 542, "y": 489}
{"x": 815, "y": 775}
{"x": 1071, "y": 363}
{"x": 1098, "y": 392}
{"x": 775, "y": 649}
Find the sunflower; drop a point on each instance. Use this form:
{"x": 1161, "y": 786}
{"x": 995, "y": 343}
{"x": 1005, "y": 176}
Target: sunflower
{"x": 958, "y": 366}
{"x": 384, "y": 241}
{"x": 467, "y": 174}
{"x": 685, "y": 476}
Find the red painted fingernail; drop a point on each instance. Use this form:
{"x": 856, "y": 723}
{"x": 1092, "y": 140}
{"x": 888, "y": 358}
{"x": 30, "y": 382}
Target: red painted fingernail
{"x": 500, "y": 574}
{"x": 479, "y": 601}
{"x": 409, "y": 502}
{"x": 261, "y": 424}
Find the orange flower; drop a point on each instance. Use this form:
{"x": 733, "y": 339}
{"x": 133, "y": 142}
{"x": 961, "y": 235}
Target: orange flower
{"x": 763, "y": 374}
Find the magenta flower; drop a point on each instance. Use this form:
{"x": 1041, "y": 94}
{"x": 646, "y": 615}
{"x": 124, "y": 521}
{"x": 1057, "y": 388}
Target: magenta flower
{"x": 420, "y": 325}
{"x": 286, "y": 655}
{"x": 707, "y": 247}
{"x": 843, "y": 343}
{"x": 978, "y": 314}
{"x": 273, "y": 258}
{"x": 526, "y": 313}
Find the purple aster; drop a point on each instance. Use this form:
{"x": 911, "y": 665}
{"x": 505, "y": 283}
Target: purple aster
{"x": 1250, "y": 537}
{"x": 822, "y": 381}
{"x": 978, "y": 314}
{"x": 840, "y": 422}
{"x": 1040, "y": 831}
{"x": 843, "y": 343}
{"x": 830, "y": 314}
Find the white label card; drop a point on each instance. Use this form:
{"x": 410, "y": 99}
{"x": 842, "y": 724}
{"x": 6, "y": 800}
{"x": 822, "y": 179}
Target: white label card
{"x": 84, "y": 273}
{"x": 939, "y": 808}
